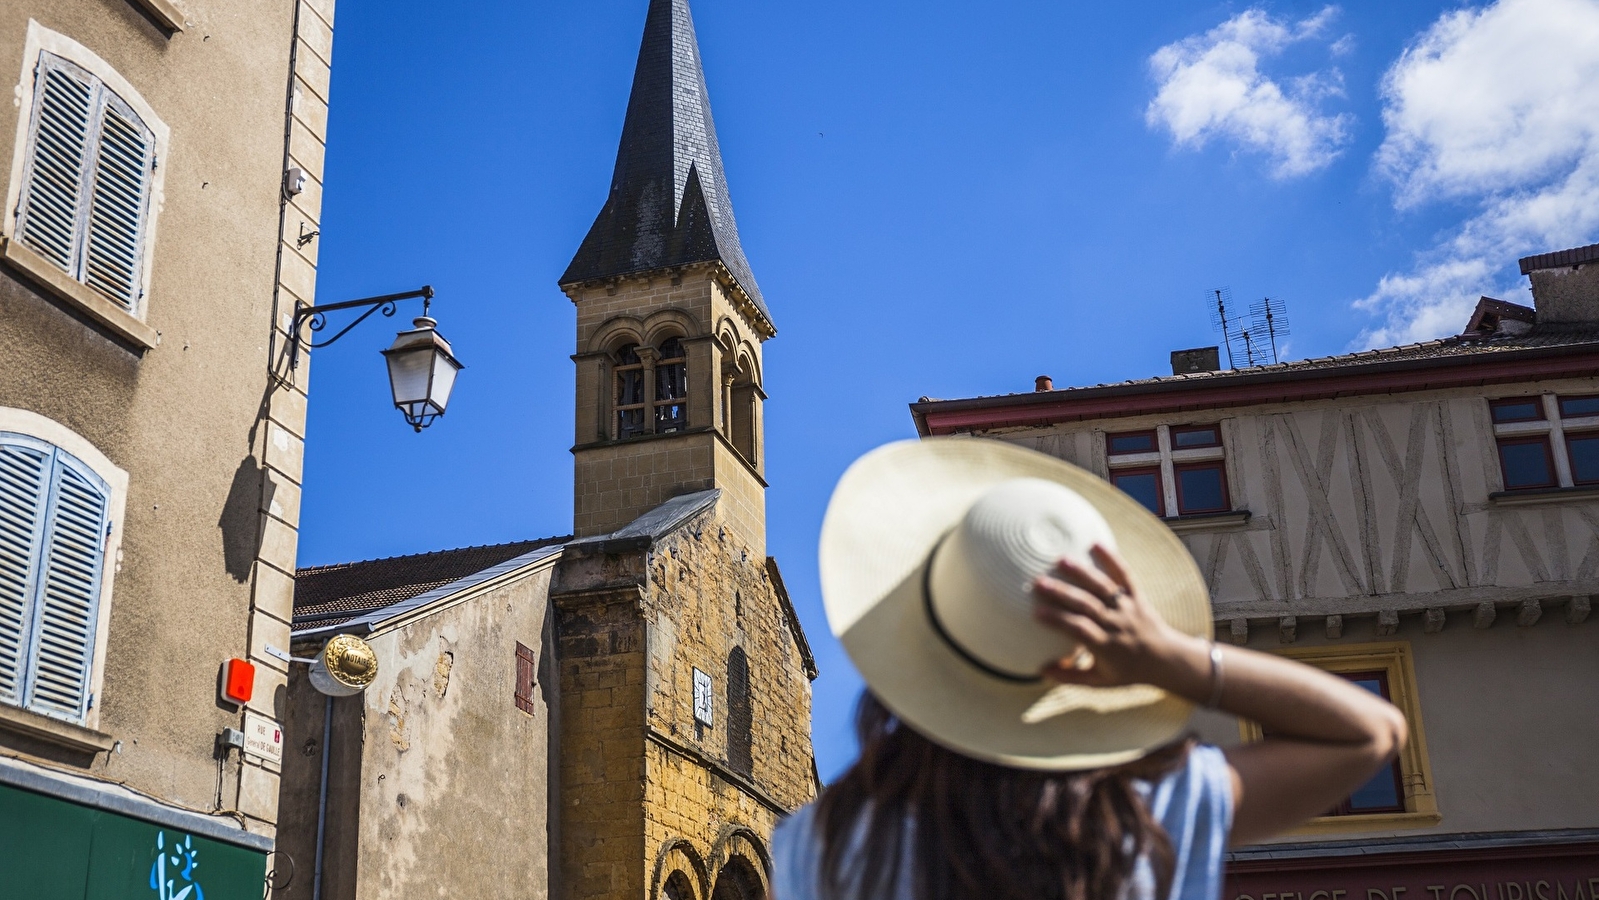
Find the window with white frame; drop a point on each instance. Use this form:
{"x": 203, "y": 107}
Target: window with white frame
{"x": 1172, "y": 470}
{"x": 1547, "y": 441}
{"x": 87, "y": 181}
{"x": 54, "y": 528}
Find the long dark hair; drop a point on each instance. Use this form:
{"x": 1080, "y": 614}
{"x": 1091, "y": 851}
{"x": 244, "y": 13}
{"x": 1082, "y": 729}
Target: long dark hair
{"x": 970, "y": 830}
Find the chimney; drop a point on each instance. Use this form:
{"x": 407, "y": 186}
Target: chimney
{"x": 1565, "y": 285}
{"x": 1195, "y": 361}
{"x": 1043, "y": 384}
{"x": 1496, "y": 318}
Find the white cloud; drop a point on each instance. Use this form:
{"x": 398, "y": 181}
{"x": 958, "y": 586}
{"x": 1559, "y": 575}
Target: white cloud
{"x": 1211, "y": 86}
{"x": 1497, "y": 107}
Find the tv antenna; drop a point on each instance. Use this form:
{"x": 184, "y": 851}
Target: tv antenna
{"x": 1270, "y": 322}
{"x": 1224, "y": 320}
{"x": 1254, "y": 338}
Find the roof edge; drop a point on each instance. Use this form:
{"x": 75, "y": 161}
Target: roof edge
{"x": 326, "y": 567}
{"x": 1358, "y": 378}
{"x": 798, "y": 630}
{"x": 1576, "y": 256}
{"x": 644, "y": 531}
{"x": 493, "y": 576}
{"x": 743, "y": 301}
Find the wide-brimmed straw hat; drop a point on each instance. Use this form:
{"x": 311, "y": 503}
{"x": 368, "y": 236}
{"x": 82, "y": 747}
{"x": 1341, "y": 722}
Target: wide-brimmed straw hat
{"x": 928, "y": 555}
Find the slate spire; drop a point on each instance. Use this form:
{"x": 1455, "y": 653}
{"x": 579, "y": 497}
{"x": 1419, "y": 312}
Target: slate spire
{"x": 669, "y": 204}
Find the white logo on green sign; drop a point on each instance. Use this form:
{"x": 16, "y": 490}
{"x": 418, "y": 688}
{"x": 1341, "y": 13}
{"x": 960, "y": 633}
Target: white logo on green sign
{"x": 172, "y": 874}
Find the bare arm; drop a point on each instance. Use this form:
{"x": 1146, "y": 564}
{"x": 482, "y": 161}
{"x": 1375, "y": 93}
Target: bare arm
{"x": 1328, "y": 736}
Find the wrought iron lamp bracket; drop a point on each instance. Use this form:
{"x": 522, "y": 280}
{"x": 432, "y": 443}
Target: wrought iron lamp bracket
{"x": 315, "y": 318}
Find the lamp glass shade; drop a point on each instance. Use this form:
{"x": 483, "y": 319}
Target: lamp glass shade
{"x": 421, "y": 373}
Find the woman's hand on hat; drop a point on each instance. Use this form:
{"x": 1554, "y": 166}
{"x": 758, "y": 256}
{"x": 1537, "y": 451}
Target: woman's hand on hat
{"x": 1123, "y": 639}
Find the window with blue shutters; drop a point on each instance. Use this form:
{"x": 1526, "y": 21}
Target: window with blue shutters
{"x": 87, "y": 182}
{"x": 54, "y": 523}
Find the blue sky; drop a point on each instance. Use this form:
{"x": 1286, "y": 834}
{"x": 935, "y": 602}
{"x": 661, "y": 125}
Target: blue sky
{"x": 938, "y": 198}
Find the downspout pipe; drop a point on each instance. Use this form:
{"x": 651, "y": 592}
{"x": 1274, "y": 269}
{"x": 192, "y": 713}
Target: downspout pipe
{"x": 322, "y": 801}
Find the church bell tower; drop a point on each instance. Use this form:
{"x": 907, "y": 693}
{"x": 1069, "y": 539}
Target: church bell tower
{"x": 670, "y": 321}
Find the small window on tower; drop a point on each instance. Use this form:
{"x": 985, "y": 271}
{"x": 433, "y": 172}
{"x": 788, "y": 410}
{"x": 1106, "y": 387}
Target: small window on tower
{"x": 629, "y": 392}
{"x": 740, "y": 715}
{"x": 671, "y": 389}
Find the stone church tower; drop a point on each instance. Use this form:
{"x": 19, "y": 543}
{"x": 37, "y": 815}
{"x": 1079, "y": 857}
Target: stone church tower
{"x": 670, "y": 321}
{"x": 684, "y": 674}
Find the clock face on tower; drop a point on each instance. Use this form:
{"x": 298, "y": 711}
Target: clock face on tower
{"x": 704, "y": 699}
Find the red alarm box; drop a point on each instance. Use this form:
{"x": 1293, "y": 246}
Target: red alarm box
{"x": 238, "y": 681}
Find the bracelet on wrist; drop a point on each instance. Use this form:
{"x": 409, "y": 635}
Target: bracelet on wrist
{"x": 1216, "y": 677}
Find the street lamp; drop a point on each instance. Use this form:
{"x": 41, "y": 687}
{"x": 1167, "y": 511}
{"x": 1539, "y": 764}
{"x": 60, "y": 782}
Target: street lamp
{"x": 421, "y": 372}
{"x": 422, "y": 367}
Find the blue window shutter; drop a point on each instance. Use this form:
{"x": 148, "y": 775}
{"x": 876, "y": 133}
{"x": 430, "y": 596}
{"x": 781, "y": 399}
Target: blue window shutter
{"x": 24, "y": 491}
{"x": 69, "y": 591}
{"x": 119, "y": 200}
{"x": 64, "y": 116}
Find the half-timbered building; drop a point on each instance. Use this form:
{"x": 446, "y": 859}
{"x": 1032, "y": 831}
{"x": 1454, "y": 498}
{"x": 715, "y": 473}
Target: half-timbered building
{"x": 1423, "y": 520}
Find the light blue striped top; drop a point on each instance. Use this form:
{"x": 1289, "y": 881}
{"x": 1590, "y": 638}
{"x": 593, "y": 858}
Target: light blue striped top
{"x": 1194, "y": 804}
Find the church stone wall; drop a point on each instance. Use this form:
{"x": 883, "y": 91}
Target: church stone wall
{"x": 600, "y": 640}
{"x": 616, "y": 483}
{"x": 709, "y": 593}
{"x": 743, "y": 502}
{"x": 455, "y": 795}
{"x": 640, "y": 297}
{"x": 648, "y": 791}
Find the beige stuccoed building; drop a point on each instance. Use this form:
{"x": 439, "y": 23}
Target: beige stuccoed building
{"x": 617, "y": 714}
{"x": 150, "y": 437}
{"x": 1423, "y": 520}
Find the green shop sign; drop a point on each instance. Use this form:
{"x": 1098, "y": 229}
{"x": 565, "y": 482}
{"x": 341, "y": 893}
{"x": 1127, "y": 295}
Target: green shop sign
{"x": 55, "y": 850}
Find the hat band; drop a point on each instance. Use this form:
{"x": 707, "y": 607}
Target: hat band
{"x": 943, "y": 635}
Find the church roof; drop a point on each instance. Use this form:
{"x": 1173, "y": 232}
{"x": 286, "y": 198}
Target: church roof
{"x": 336, "y": 594}
{"x": 669, "y": 204}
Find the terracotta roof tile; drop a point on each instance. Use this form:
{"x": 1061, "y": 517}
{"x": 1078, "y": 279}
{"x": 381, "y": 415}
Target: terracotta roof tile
{"x": 327, "y": 595}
